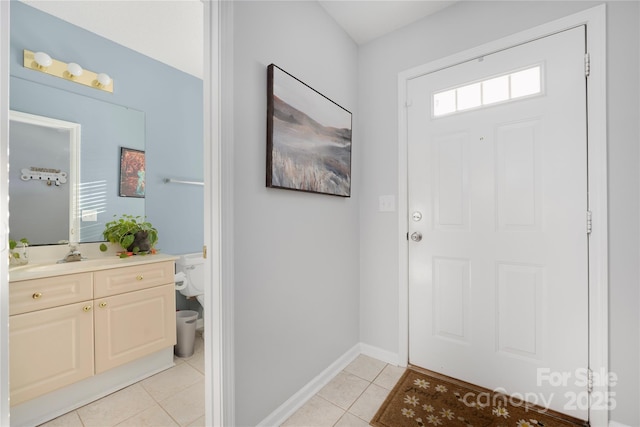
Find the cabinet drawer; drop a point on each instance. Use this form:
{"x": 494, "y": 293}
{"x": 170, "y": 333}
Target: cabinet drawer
{"x": 128, "y": 279}
{"x": 38, "y": 294}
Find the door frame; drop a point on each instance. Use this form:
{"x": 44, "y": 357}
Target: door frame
{"x": 595, "y": 21}
{"x": 4, "y": 208}
{"x": 219, "y": 402}
{"x": 218, "y": 209}
{"x": 213, "y": 365}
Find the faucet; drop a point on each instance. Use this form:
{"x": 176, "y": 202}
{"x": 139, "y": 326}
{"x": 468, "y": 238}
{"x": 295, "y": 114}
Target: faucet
{"x": 73, "y": 255}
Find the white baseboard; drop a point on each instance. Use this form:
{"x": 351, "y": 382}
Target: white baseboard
{"x": 380, "y": 354}
{"x": 295, "y": 402}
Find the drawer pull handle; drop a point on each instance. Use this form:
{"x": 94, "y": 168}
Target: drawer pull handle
{"x": 37, "y": 295}
{"x": 139, "y": 277}
{"x": 103, "y": 304}
{"x": 86, "y": 308}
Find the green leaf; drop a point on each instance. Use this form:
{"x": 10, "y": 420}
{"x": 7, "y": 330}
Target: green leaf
{"x": 103, "y": 247}
{"x": 121, "y": 230}
{"x": 127, "y": 240}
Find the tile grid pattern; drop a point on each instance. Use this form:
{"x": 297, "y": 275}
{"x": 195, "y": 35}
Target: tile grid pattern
{"x": 171, "y": 398}
{"x": 351, "y": 398}
{"x": 175, "y": 397}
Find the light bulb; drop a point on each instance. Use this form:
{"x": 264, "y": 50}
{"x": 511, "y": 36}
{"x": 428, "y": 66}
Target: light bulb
{"x": 42, "y": 59}
{"x": 74, "y": 69}
{"x": 103, "y": 79}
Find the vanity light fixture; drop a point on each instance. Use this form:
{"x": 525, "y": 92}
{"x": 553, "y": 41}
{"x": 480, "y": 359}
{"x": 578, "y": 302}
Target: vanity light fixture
{"x": 40, "y": 61}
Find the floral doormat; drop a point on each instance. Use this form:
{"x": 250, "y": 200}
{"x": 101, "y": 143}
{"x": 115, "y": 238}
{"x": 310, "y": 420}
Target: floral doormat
{"x": 425, "y": 399}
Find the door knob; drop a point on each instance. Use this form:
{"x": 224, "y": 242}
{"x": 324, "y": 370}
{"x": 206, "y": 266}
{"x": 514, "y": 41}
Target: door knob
{"x": 416, "y": 236}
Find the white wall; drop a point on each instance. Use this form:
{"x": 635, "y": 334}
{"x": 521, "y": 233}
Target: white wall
{"x": 296, "y": 270}
{"x": 463, "y": 26}
{"x": 624, "y": 293}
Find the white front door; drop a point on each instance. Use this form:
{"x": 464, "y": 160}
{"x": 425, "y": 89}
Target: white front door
{"x": 497, "y": 192}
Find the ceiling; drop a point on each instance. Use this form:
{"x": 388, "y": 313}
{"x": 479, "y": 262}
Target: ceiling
{"x": 365, "y": 20}
{"x": 169, "y": 31}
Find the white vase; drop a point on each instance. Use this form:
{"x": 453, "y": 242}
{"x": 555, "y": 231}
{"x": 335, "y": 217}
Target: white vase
{"x": 19, "y": 255}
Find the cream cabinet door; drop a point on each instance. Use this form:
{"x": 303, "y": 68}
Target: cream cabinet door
{"x": 131, "y": 325}
{"x": 50, "y": 349}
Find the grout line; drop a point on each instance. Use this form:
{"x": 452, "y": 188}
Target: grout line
{"x": 369, "y": 383}
{"x": 79, "y": 417}
{"x": 347, "y": 411}
{"x": 344, "y": 411}
{"x": 167, "y": 412}
{"x": 354, "y": 402}
{"x": 142, "y": 386}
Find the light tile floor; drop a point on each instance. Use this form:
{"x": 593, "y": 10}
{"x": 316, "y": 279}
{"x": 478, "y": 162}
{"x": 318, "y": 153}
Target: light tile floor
{"x": 171, "y": 398}
{"x": 351, "y": 398}
{"x": 175, "y": 397}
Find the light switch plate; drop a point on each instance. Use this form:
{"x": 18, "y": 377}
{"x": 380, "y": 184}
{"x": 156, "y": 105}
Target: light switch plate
{"x": 387, "y": 203}
{"x": 89, "y": 215}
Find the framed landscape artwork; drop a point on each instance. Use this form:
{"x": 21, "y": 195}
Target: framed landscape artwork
{"x": 132, "y": 173}
{"x": 308, "y": 138}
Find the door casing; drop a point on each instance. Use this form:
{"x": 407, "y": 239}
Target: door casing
{"x": 219, "y": 380}
{"x": 595, "y": 21}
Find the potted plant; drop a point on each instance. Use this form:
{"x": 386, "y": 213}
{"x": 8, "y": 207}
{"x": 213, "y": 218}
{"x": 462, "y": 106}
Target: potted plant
{"x": 134, "y": 234}
{"x": 18, "y": 252}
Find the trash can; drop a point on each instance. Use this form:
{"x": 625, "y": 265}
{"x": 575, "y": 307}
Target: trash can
{"x": 186, "y": 332}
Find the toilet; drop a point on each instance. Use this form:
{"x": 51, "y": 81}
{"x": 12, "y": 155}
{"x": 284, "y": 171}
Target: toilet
{"x": 190, "y": 276}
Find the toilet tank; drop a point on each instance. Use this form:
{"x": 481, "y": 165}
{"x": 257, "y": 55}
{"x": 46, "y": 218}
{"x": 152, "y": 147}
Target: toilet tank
{"x": 192, "y": 265}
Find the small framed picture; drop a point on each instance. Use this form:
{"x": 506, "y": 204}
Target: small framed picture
{"x": 132, "y": 171}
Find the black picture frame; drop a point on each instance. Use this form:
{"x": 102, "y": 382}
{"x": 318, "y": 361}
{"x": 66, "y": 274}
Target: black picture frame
{"x": 309, "y": 138}
{"x": 132, "y": 173}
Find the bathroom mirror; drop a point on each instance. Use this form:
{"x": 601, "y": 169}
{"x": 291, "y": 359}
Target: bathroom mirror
{"x": 95, "y": 198}
{"x": 43, "y": 179}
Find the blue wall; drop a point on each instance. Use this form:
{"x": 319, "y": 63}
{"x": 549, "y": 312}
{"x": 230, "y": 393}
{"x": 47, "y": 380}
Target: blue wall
{"x": 171, "y": 101}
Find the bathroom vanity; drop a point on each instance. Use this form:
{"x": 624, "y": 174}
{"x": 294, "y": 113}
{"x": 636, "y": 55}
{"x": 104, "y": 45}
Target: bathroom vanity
{"x": 81, "y": 330}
